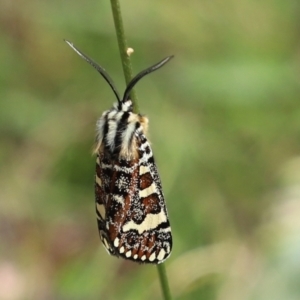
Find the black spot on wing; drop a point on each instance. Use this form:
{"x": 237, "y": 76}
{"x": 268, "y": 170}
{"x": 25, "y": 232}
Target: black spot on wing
{"x": 147, "y": 149}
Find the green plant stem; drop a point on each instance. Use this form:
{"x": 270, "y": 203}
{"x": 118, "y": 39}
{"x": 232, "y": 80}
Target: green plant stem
{"x": 127, "y": 69}
{"x": 164, "y": 281}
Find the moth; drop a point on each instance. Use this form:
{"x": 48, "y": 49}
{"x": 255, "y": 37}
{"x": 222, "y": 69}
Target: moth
{"x": 131, "y": 212}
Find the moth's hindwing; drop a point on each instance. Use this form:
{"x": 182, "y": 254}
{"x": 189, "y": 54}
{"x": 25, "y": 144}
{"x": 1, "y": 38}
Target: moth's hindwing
{"x": 131, "y": 212}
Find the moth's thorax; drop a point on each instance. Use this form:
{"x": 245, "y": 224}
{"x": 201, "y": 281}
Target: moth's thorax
{"x": 115, "y": 131}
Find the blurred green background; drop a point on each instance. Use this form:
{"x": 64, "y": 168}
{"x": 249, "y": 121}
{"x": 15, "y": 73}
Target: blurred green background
{"x": 224, "y": 126}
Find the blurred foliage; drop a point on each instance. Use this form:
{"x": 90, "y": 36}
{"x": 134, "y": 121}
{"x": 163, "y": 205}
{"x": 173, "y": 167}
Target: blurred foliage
{"x": 224, "y": 125}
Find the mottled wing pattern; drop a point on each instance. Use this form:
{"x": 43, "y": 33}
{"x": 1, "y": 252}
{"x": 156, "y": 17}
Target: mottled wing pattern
{"x": 132, "y": 216}
{"x": 102, "y": 194}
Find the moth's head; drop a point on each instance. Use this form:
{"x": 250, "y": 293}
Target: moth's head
{"x": 124, "y": 104}
{"x": 127, "y": 105}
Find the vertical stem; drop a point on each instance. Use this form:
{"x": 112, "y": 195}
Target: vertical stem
{"x": 164, "y": 281}
{"x": 127, "y": 69}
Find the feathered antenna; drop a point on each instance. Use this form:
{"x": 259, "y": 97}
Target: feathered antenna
{"x": 131, "y": 84}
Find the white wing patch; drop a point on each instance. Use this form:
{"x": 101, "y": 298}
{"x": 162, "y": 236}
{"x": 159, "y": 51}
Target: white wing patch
{"x": 144, "y": 170}
{"x": 151, "y": 222}
{"x": 148, "y": 191}
{"x": 101, "y": 210}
